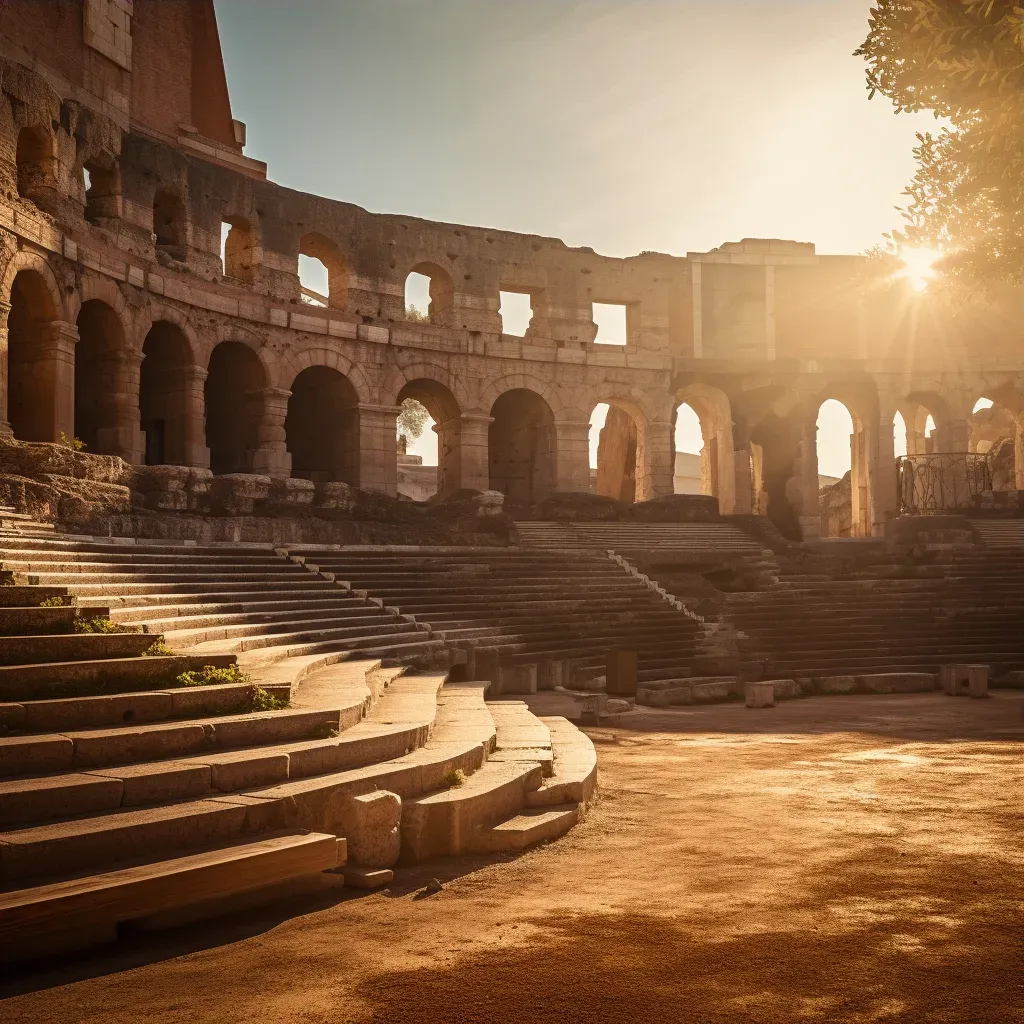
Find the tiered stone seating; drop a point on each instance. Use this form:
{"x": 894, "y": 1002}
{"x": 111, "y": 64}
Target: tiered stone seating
{"x": 220, "y": 599}
{"x": 128, "y": 796}
{"x": 526, "y": 606}
{"x": 626, "y": 536}
{"x": 874, "y": 621}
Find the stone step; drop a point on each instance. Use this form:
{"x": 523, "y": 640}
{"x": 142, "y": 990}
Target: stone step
{"x": 305, "y": 584}
{"x": 30, "y": 650}
{"x": 412, "y": 652}
{"x": 137, "y": 744}
{"x": 446, "y": 822}
{"x": 109, "y": 675}
{"x": 163, "y": 622}
{"x": 533, "y": 825}
{"x": 84, "y": 911}
{"x": 355, "y": 637}
{"x": 574, "y": 772}
{"x": 296, "y": 627}
{"x": 30, "y": 596}
{"x": 37, "y": 621}
{"x": 137, "y": 708}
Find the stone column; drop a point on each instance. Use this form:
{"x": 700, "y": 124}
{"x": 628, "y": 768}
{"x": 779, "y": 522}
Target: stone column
{"x": 883, "y": 499}
{"x": 572, "y": 455}
{"x": 657, "y": 454}
{"x": 5, "y": 426}
{"x": 272, "y": 457}
{"x": 377, "y": 468}
{"x": 195, "y": 453}
{"x": 803, "y": 489}
{"x": 462, "y": 454}
{"x": 123, "y": 437}
{"x": 54, "y": 367}
{"x": 954, "y": 436}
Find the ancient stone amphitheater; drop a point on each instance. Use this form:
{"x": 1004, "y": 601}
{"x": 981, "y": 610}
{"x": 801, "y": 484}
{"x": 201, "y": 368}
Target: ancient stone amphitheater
{"x": 235, "y": 665}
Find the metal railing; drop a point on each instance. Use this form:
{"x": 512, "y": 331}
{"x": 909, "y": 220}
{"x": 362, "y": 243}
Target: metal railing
{"x": 941, "y": 482}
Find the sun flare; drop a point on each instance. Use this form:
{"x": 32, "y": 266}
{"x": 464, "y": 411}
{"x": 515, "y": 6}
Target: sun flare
{"x": 919, "y": 267}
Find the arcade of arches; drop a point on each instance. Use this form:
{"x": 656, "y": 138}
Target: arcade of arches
{"x": 756, "y": 450}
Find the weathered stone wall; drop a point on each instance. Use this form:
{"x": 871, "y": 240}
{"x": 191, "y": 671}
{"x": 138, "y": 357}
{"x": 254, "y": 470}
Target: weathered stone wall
{"x": 122, "y": 319}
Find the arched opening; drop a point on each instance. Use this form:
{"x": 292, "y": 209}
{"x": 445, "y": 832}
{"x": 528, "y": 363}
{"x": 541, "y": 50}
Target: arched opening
{"x": 322, "y": 426}
{"x": 99, "y": 357}
{"x": 35, "y": 162}
{"x": 996, "y": 433}
{"x": 323, "y": 273}
{"x": 234, "y": 405}
{"x": 836, "y": 443}
{"x": 163, "y": 394}
{"x": 615, "y": 452}
{"x": 929, "y": 427}
{"x": 102, "y": 190}
{"x": 432, "y": 464}
{"x": 521, "y": 446}
{"x": 169, "y": 224}
{"x": 429, "y": 295}
{"x": 240, "y": 251}
{"x": 687, "y": 472}
{"x": 31, "y": 372}
{"x": 704, "y": 446}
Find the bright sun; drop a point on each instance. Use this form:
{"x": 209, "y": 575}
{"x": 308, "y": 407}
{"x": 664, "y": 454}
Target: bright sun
{"x": 919, "y": 267}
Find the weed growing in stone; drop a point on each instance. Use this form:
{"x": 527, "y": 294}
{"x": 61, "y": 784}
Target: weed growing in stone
{"x": 102, "y": 625}
{"x": 262, "y": 700}
{"x": 158, "y": 650}
{"x": 76, "y": 444}
{"x": 50, "y": 602}
{"x": 455, "y": 778}
{"x": 210, "y": 675}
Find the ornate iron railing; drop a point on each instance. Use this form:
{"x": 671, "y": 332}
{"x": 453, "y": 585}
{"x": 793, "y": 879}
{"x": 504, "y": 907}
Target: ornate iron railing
{"x": 941, "y": 482}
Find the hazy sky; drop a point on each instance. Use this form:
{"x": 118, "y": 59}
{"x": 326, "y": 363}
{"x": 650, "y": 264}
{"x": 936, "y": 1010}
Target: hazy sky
{"x": 670, "y": 125}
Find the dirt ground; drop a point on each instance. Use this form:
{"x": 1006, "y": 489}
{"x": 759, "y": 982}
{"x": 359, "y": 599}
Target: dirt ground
{"x": 833, "y": 859}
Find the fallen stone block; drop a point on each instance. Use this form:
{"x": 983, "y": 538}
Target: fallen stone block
{"x": 896, "y": 682}
{"x": 760, "y": 695}
{"x": 828, "y": 685}
{"x": 367, "y": 878}
{"x": 372, "y": 828}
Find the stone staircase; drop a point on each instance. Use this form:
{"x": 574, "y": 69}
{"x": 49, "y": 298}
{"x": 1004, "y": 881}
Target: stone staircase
{"x": 130, "y": 793}
{"x": 886, "y": 618}
{"x": 1000, "y": 533}
{"x": 523, "y": 607}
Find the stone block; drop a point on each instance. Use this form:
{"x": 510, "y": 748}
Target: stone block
{"x": 834, "y": 684}
{"x": 896, "y": 682}
{"x": 551, "y": 674}
{"x": 759, "y": 695}
{"x": 165, "y": 488}
{"x": 236, "y": 494}
{"x": 288, "y": 496}
{"x": 372, "y": 825}
{"x": 964, "y": 680}
{"x": 621, "y": 673}
{"x": 516, "y": 679}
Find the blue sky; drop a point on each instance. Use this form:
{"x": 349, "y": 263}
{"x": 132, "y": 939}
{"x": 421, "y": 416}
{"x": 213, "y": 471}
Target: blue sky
{"x": 672, "y": 125}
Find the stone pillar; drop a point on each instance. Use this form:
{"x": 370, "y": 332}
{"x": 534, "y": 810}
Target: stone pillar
{"x": 743, "y": 482}
{"x": 378, "y": 448}
{"x": 195, "y": 453}
{"x": 883, "y": 498}
{"x": 954, "y": 436}
{"x": 123, "y": 437}
{"x": 462, "y": 454}
{"x": 272, "y": 457}
{"x": 54, "y": 367}
{"x": 572, "y": 463}
{"x": 5, "y": 426}
{"x": 804, "y": 489}
{"x": 656, "y": 455}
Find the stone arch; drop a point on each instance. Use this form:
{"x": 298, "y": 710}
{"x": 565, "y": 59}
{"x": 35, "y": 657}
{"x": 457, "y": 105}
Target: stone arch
{"x": 546, "y": 389}
{"x": 713, "y": 410}
{"x": 522, "y": 446}
{"x": 398, "y": 376}
{"x": 236, "y": 380}
{"x": 167, "y": 381}
{"x": 93, "y": 287}
{"x": 322, "y": 426}
{"x": 441, "y": 307}
{"x": 446, "y": 416}
{"x": 38, "y": 384}
{"x": 25, "y": 260}
{"x": 329, "y": 253}
{"x": 916, "y": 406}
{"x": 36, "y": 163}
{"x": 106, "y": 382}
{"x": 291, "y": 366}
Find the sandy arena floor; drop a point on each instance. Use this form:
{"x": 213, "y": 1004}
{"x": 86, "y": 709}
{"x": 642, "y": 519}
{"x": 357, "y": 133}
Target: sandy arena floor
{"x": 834, "y": 859}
